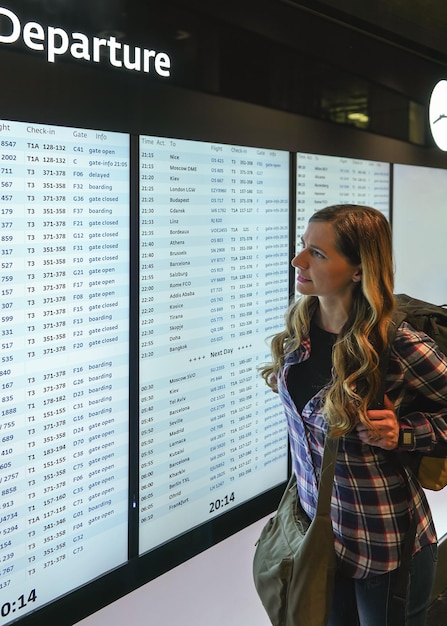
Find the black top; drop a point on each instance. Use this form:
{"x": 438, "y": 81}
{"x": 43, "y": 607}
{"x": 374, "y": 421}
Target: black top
{"x": 306, "y": 379}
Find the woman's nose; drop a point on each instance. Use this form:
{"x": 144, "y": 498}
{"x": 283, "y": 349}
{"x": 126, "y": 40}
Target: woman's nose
{"x": 299, "y": 260}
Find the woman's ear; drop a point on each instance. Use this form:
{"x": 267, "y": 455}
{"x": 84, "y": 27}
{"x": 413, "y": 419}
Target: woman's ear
{"x": 357, "y": 277}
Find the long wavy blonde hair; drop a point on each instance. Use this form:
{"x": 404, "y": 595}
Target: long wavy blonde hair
{"x": 363, "y": 236}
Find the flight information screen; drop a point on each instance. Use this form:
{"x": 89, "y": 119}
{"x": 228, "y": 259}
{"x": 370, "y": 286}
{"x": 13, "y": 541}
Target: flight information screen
{"x": 64, "y": 276}
{"x": 214, "y": 276}
{"x": 213, "y": 281}
{"x": 322, "y": 180}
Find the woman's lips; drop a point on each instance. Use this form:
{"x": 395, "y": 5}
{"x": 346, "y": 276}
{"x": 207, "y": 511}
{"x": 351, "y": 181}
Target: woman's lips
{"x": 301, "y": 279}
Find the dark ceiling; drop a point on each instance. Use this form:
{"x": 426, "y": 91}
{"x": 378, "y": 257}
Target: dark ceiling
{"x": 325, "y": 58}
{"x": 420, "y": 25}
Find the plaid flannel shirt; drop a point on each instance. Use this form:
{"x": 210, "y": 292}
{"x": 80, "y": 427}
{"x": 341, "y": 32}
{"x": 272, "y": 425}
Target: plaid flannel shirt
{"x": 374, "y": 496}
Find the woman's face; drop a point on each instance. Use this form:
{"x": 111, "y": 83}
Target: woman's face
{"x": 321, "y": 269}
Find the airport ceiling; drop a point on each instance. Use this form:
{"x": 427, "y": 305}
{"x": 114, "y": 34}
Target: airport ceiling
{"x": 341, "y": 46}
{"x": 418, "y": 24}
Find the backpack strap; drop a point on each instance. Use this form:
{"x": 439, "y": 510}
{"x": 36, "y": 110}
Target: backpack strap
{"x": 398, "y": 318}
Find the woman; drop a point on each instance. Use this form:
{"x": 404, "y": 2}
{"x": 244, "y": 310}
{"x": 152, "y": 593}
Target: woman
{"x": 325, "y": 368}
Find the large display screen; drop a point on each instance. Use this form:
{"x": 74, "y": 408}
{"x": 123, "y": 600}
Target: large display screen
{"x": 419, "y": 250}
{"x": 64, "y": 300}
{"x": 212, "y": 285}
{"x": 214, "y": 280}
{"x": 419, "y": 243}
{"x": 323, "y": 180}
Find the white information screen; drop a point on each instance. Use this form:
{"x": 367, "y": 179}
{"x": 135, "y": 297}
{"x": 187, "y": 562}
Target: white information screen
{"x": 419, "y": 227}
{"x": 214, "y": 268}
{"x": 325, "y": 180}
{"x": 64, "y": 250}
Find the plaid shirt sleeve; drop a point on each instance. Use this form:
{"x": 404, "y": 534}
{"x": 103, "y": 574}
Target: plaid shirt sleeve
{"x": 421, "y": 401}
{"x": 374, "y": 495}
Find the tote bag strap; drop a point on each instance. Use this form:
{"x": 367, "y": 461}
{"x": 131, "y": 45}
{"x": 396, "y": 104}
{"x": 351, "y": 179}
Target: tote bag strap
{"x": 327, "y": 476}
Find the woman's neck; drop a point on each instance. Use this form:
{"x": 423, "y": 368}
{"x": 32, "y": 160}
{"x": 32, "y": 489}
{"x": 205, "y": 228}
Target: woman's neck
{"x": 331, "y": 318}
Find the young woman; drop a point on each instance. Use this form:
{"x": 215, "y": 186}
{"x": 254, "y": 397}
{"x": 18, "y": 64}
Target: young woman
{"x": 325, "y": 369}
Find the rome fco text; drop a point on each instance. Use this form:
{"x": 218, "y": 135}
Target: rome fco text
{"x": 55, "y": 41}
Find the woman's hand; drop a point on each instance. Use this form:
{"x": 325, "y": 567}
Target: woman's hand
{"x": 272, "y": 381}
{"x": 386, "y": 427}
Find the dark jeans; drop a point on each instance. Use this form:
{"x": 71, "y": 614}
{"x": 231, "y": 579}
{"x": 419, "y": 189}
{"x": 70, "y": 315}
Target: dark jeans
{"x": 369, "y": 602}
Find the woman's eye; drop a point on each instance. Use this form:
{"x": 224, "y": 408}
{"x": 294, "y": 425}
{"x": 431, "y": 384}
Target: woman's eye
{"x": 317, "y": 253}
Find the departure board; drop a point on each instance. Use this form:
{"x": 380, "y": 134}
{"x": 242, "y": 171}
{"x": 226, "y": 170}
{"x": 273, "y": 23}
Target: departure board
{"x": 323, "y": 180}
{"x": 64, "y": 274}
{"x": 214, "y": 275}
